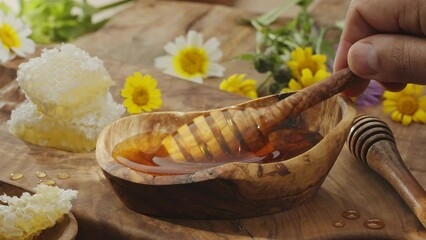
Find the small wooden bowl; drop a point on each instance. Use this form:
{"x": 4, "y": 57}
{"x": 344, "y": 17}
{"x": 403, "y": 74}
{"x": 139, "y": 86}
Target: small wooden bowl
{"x": 65, "y": 229}
{"x": 232, "y": 190}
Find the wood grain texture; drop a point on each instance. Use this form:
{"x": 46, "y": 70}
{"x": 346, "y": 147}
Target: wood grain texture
{"x": 65, "y": 229}
{"x": 129, "y": 43}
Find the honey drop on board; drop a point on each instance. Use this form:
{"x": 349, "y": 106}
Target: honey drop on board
{"x": 374, "y": 224}
{"x": 48, "y": 181}
{"x": 41, "y": 174}
{"x": 351, "y": 214}
{"x": 16, "y": 176}
{"x": 63, "y": 175}
{"x": 338, "y": 224}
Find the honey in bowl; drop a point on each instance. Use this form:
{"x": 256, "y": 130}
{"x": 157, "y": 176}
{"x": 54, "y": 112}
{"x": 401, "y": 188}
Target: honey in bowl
{"x": 145, "y": 153}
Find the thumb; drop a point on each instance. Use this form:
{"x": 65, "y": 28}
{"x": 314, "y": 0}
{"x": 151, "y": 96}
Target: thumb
{"x": 391, "y": 59}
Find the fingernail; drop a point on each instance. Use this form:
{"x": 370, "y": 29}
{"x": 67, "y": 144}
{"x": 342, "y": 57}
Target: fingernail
{"x": 363, "y": 59}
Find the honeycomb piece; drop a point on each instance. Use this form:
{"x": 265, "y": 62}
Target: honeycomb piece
{"x": 64, "y": 82}
{"x": 77, "y": 134}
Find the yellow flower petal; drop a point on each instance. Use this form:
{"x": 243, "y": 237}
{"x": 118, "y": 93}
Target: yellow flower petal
{"x": 321, "y": 74}
{"x": 294, "y": 85}
{"x": 140, "y": 93}
{"x": 305, "y": 59}
{"x": 420, "y": 116}
{"x": 236, "y": 84}
{"x": 396, "y": 116}
{"x": 391, "y": 95}
{"x": 406, "y": 120}
{"x": 286, "y": 90}
{"x": 422, "y": 102}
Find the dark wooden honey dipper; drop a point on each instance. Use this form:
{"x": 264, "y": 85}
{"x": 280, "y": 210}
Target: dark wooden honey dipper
{"x": 372, "y": 142}
{"x": 223, "y": 134}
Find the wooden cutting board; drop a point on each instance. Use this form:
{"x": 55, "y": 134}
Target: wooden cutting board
{"x": 129, "y": 43}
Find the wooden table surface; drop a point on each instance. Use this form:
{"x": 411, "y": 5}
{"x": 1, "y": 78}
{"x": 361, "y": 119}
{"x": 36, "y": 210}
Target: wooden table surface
{"x": 129, "y": 43}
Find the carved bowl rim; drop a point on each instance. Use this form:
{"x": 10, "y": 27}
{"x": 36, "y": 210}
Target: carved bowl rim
{"x": 112, "y": 167}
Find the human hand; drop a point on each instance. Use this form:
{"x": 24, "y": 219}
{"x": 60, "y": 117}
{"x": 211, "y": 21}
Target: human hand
{"x": 384, "y": 40}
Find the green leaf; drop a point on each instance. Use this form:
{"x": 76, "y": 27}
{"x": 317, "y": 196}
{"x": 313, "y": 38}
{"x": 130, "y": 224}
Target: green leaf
{"x": 4, "y": 8}
{"x": 246, "y": 57}
{"x": 272, "y": 16}
{"x": 55, "y": 21}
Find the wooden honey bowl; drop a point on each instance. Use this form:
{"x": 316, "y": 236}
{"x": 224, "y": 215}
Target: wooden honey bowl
{"x": 231, "y": 190}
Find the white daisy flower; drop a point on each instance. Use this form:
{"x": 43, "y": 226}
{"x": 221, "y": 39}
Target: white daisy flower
{"x": 14, "y": 38}
{"x": 189, "y": 58}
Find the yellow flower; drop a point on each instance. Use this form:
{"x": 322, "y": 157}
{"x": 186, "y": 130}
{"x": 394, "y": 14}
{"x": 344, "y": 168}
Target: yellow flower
{"x": 303, "y": 58}
{"x": 307, "y": 79}
{"x": 191, "y": 59}
{"x": 236, "y": 84}
{"x": 406, "y": 106}
{"x": 141, "y": 93}
{"x": 14, "y": 38}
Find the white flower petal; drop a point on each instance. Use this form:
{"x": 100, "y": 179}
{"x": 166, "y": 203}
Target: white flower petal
{"x": 215, "y": 70}
{"x": 163, "y": 62}
{"x": 215, "y": 56}
{"x": 196, "y": 80}
{"x": 180, "y": 42}
{"x": 4, "y": 54}
{"x": 211, "y": 45}
{"x": 171, "y": 48}
{"x": 195, "y": 39}
{"x": 27, "y": 46}
{"x": 171, "y": 72}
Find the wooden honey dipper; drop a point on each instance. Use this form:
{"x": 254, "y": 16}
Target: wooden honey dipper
{"x": 372, "y": 142}
{"x": 221, "y": 135}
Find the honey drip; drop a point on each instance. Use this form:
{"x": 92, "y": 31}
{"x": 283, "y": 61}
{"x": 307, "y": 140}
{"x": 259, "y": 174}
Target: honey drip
{"x": 145, "y": 152}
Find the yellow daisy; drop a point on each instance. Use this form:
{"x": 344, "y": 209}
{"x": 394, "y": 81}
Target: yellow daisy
{"x": 407, "y": 105}
{"x": 189, "y": 58}
{"x": 303, "y": 58}
{"x": 307, "y": 79}
{"x": 236, "y": 84}
{"x": 141, "y": 94}
{"x": 14, "y": 38}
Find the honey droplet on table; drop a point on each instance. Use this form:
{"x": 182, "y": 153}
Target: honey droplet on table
{"x": 351, "y": 214}
{"x": 63, "y": 175}
{"x": 374, "y": 224}
{"x": 338, "y": 224}
{"x": 16, "y": 176}
{"x": 41, "y": 174}
{"x": 48, "y": 181}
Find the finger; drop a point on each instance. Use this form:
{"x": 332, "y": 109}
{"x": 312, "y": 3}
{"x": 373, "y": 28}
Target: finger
{"x": 394, "y": 87}
{"x": 389, "y": 58}
{"x": 357, "y": 88}
{"x": 395, "y": 16}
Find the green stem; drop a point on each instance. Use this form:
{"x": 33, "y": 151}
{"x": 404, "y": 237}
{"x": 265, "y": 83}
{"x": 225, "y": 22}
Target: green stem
{"x": 265, "y": 80}
{"x": 111, "y": 5}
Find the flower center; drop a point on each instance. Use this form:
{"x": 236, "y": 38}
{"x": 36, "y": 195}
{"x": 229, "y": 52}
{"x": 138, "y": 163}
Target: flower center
{"x": 9, "y": 37}
{"x": 191, "y": 61}
{"x": 140, "y": 97}
{"x": 408, "y": 105}
{"x": 310, "y": 64}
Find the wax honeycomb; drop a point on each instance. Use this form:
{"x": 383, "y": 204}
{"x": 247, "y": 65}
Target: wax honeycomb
{"x": 67, "y": 101}
{"x": 64, "y": 82}
{"x": 75, "y": 134}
